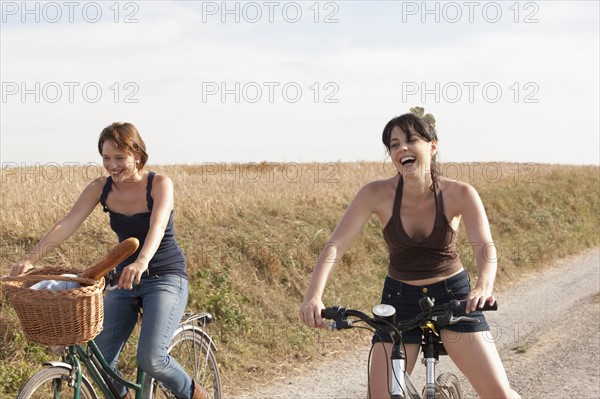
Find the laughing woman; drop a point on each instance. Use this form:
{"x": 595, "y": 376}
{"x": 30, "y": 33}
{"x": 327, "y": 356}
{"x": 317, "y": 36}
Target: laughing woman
{"x": 140, "y": 204}
{"x": 421, "y": 212}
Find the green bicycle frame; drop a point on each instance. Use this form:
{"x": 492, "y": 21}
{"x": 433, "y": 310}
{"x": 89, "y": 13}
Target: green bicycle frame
{"x": 78, "y": 354}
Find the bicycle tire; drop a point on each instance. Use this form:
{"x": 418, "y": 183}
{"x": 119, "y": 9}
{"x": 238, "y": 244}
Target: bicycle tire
{"x": 44, "y": 383}
{"x": 447, "y": 384}
{"x": 194, "y": 352}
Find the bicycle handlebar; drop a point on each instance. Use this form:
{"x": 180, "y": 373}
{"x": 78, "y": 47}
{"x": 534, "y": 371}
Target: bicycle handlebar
{"x": 442, "y": 315}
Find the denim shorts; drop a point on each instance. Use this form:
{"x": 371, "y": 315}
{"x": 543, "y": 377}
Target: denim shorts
{"x": 405, "y": 299}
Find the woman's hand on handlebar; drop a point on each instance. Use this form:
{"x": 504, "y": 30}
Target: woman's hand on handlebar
{"x": 132, "y": 274}
{"x": 478, "y": 297}
{"x": 20, "y": 268}
{"x": 310, "y": 313}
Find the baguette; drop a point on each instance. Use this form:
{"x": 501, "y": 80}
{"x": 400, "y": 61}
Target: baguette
{"x": 118, "y": 254}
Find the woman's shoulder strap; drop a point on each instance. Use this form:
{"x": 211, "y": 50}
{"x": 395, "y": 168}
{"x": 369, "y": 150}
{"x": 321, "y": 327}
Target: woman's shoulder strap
{"x": 105, "y": 191}
{"x": 149, "y": 199}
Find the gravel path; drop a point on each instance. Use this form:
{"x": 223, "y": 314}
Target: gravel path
{"x": 549, "y": 341}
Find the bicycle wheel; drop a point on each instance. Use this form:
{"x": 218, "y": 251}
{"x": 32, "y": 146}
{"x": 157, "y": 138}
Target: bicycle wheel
{"x": 53, "y": 382}
{"x": 447, "y": 386}
{"x": 194, "y": 353}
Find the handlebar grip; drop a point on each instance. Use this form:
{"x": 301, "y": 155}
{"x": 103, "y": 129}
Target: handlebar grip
{"x": 332, "y": 312}
{"x": 487, "y": 306}
{"x": 459, "y": 307}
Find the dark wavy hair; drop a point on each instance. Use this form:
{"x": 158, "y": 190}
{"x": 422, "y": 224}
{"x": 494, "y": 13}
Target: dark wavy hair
{"x": 405, "y": 122}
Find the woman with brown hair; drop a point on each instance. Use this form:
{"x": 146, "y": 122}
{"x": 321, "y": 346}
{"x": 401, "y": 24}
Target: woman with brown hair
{"x": 140, "y": 204}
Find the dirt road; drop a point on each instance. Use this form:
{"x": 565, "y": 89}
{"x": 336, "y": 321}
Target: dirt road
{"x": 546, "y": 329}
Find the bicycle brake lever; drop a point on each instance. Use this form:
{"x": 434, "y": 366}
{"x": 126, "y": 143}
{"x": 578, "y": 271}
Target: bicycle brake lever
{"x": 342, "y": 324}
{"x": 443, "y": 319}
{"x": 338, "y": 324}
{"x": 328, "y": 324}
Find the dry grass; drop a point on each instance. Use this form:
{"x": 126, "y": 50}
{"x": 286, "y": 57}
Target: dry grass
{"x": 251, "y": 234}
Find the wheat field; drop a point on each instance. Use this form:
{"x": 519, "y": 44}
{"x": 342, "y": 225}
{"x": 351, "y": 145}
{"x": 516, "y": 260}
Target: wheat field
{"x": 252, "y": 232}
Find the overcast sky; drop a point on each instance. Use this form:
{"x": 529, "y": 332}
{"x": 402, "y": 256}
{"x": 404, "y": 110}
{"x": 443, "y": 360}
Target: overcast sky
{"x": 299, "y": 81}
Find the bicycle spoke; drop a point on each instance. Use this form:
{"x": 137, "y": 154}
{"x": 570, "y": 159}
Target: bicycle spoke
{"x": 193, "y": 352}
{"x": 53, "y": 383}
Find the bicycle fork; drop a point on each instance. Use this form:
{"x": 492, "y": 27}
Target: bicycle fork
{"x": 398, "y": 387}
{"x": 430, "y": 359}
{"x": 401, "y": 386}
{"x": 430, "y": 377}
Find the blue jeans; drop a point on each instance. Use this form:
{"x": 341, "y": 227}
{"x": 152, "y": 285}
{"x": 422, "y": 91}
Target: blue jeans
{"x": 163, "y": 299}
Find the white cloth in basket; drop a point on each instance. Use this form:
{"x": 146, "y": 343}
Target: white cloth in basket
{"x": 56, "y": 285}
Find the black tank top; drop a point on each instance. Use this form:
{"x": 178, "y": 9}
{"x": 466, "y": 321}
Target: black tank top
{"x": 169, "y": 258}
{"x": 435, "y": 256}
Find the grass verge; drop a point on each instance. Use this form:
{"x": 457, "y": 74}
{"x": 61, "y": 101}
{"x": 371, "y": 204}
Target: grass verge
{"x": 251, "y": 234}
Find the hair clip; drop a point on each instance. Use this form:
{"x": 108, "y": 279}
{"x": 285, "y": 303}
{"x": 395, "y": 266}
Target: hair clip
{"x": 419, "y": 112}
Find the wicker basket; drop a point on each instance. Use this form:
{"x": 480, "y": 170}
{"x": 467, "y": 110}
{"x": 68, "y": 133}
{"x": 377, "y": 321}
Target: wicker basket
{"x": 64, "y": 317}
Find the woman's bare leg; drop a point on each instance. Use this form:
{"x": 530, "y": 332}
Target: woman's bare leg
{"x": 477, "y": 358}
{"x": 381, "y": 369}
